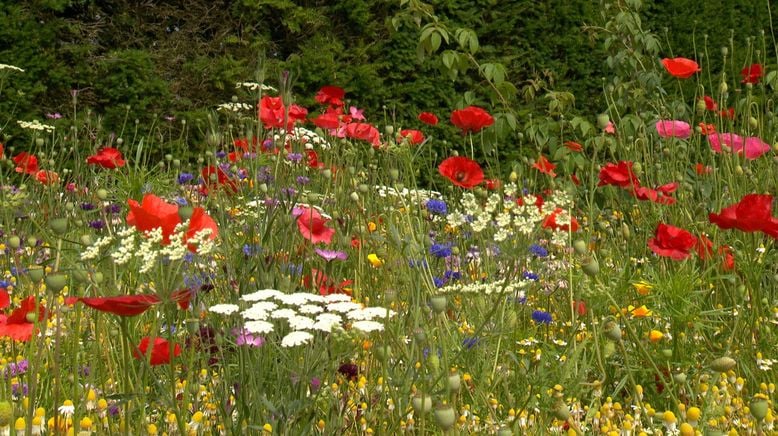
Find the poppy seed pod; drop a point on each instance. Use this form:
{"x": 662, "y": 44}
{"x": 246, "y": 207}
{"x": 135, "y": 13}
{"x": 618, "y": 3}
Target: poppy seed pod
{"x": 454, "y": 382}
{"x": 102, "y": 194}
{"x": 580, "y": 247}
{"x": 6, "y": 413}
{"x": 422, "y": 403}
{"x": 560, "y": 411}
{"x": 59, "y": 225}
{"x": 612, "y": 330}
{"x": 438, "y": 303}
{"x": 14, "y": 242}
{"x": 504, "y": 431}
{"x": 602, "y": 121}
{"x": 590, "y": 266}
{"x": 759, "y": 408}
{"x": 56, "y": 282}
{"x": 445, "y": 416}
{"x": 35, "y": 273}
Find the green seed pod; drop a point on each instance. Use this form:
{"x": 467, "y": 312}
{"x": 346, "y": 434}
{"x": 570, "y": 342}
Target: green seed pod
{"x": 327, "y": 173}
{"x": 433, "y": 361}
{"x": 445, "y": 416}
{"x": 363, "y": 188}
{"x": 56, "y": 282}
{"x": 438, "y": 303}
{"x": 102, "y": 194}
{"x": 454, "y": 382}
{"x": 384, "y": 352}
{"x": 753, "y": 122}
{"x": 14, "y": 242}
{"x": 80, "y": 275}
{"x": 6, "y": 414}
{"x": 59, "y": 225}
{"x": 354, "y": 196}
{"x": 36, "y": 273}
{"x": 32, "y": 241}
{"x": 667, "y": 353}
{"x": 421, "y": 404}
{"x": 625, "y": 232}
{"x": 505, "y": 431}
{"x": 560, "y": 411}
{"x": 602, "y": 121}
{"x": 31, "y": 317}
{"x": 679, "y": 377}
{"x": 580, "y": 247}
{"x": 39, "y": 142}
{"x": 590, "y": 266}
{"x": 394, "y": 174}
{"x": 98, "y": 277}
{"x": 185, "y": 212}
{"x": 723, "y": 364}
{"x": 86, "y": 239}
{"x": 759, "y": 408}
{"x": 612, "y": 330}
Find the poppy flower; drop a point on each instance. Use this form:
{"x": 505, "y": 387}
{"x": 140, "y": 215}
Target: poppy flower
{"x": 618, "y": 174}
{"x": 673, "y": 242}
{"x": 710, "y": 103}
{"x": 414, "y": 137}
{"x": 327, "y": 120}
{"x": 751, "y": 147}
{"x": 331, "y": 95}
{"x": 610, "y": 128}
{"x": 364, "y": 132}
{"x": 273, "y": 113}
{"x": 198, "y": 222}
{"x": 122, "y": 305}
{"x": 681, "y": 68}
{"x": 20, "y": 325}
{"x": 573, "y": 146}
{"x": 492, "y": 184}
{"x": 471, "y": 119}
{"x": 753, "y": 213}
{"x": 550, "y": 221}
{"x": 26, "y": 163}
{"x": 312, "y": 226}
{"x": 428, "y": 118}
{"x": 728, "y": 113}
{"x": 462, "y": 171}
{"x": 153, "y": 212}
{"x": 107, "y": 157}
{"x": 214, "y": 178}
{"x": 751, "y": 74}
{"x": 325, "y": 285}
{"x": 160, "y": 351}
{"x": 702, "y": 169}
{"x": 673, "y": 129}
{"x": 2, "y": 151}
{"x": 544, "y": 166}
{"x": 47, "y": 177}
{"x": 707, "y": 129}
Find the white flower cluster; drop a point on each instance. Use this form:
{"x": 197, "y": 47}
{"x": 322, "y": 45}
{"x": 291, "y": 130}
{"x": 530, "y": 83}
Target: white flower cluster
{"x": 498, "y": 287}
{"x": 254, "y": 86}
{"x": 506, "y": 215}
{"x": 10, "y": 67}
{"x": 35, "y": 125}
{"x": 308, "y": 138}
{"x": 414, "y": 195}
{"x": 304, "y": 313}
{"x": 93, "y": 251}
{"x": 233, "y": 107}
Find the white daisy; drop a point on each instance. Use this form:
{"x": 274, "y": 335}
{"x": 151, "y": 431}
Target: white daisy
{"x": 258, "y": 327}
{"x": 367, "y": 326}
{"x": 296, "y": 338}
{"x": 224, "y": 309}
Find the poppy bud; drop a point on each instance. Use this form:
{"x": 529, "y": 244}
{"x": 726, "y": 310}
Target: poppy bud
{"x": 31, "y": 317}
{"x": 445, "y": 416}
{"x": 59, "y": 225}
{"x": 723, "y": 88}
{"x": 739, "y": 170}
{"x": 753, "y": 122}
{"x": 580, "y": 247}
{"x": 6, "y": 413}
{"x": 120, "y": 141}
{"x": 86, "y": 239}
{"x": 394, "y": 174}
{"x": 389, "y": 130}
{"x": 384, "y": 352}
{"x": 433, "y": 361}
{"x": 32, "y": 241}
{"x": 724, "y": 51}
{"x": 98, "y": 277}
{"x": 612, "y": 330}
{"x": 14, "y": 242}
{"x": 560, "y": 411}
{"x": 590, "y": 266}
{"x": 700, "y": 106}
{"x": 637, "y": 168}
{"x": 723, "y": 364}
{"x": 36, "y": 273}
{"x": 363, "y": 188}
{"x": 80, "y": 275}
{"x": 602, "y": 121}
{"x": 185, "y": 212}
{"x": 513, "y": 177}
{"x": 438, "y": 303}
{"x": 422, "y": 404}
{"x": 625, "y": 231}
{"x": 354, "y": 196}
{"x": 759, "y": 408}
{"x": 56, "y": 282}
{"x": 680, "y": 377}
{"x": 420, "y": 335}
{"x": 454, "y": 382}
{"x": 39, "y": 142}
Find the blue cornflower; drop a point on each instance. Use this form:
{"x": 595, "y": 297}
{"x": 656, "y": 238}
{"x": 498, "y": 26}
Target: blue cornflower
{"x": 452, "y": 275}
{"x": 221, "y": 154}
{"x": 470, "y": 342}
{"x": 440, "y": 250}
{"x": 87, "y": 206}
{"x": 538, "y": 251}
{"x": 529, "y": 275}
{"x": 437, "y": 207}
{"x": 302, "y": 180}
{"x": 541, "y": 317}
{"x": 181, "y": 201}
{"x": 97, "y": 224}
{"x": 439, "y": 282}
{"x": 185, "y": 178}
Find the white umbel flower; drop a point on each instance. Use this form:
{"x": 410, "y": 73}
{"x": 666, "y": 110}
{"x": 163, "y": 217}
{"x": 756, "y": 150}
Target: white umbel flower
{"x": 258, "y": 327}
{"x": 367, "y": 326}
{"x": 224, "y": 309}
{"x": 296, "y": 338}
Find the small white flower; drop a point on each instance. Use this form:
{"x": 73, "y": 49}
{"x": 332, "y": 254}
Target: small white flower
{"x": 255, "y": 313}
{"x": 367, "y": 326}
{"x": 296, "y": 299}
{"x": 263, "y": 294}
{"x": 224, "y": 309}
{"x": 233, "y": 107}
{"x": 334, "y": 298}
{"x": 343, "y": 307}
{"x": 258, "y": 327}
{"x": 299, "y": 322}
{"x": 296, "y": 338}
{"x": 283, "y": 314}
{"x": 35, "y": 125}
{"x": 310, "y": 309}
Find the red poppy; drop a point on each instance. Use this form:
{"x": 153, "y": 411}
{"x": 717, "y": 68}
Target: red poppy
{"x": 681, "y": 68}
{"x": 710, "y": 103}
{"x": 659, "y": 195}
{"x": 331, "y": 95}
{"x": 364, "y": 132}
{"x": 751, "y": 214}
{"x": 573, "y": 146}
{"x": 313, "y": 159}
{"x": 728, "y": 113}
{"x": 619, "y": 174}
{"x": 707, "y": 129}
{"x": 160, "y": 351}
{"x": 428, "y": 118}
{"x": 2, "y": 152}
{"x": 575, "y": 179}
{"x": 751, "y": 74}
{"x": 471, "y": 119}
{"x": 462, "y": 171}
{"x": 272, "y": 113}
{"x": 544, "y": 166}
{"x": 122, "y": 305}
{"x": 702, "y": 169}
{"x": 414, "y": 137}
{"x": 20, "y": 324}
{"x": 107, "y": 157}
{"x": 198, "y": 222}
{"x": 672, "y": 242}
{"x": 492, "y": 184}
{"x": 325, "y": 285}
{"x": 312, "y": 226}
{"x": 550, "y": 222}
{"x": 5, "y": 299}
{"x": 704, "y": 247}
{"x": 152, "y": 213}
{"x": 539, "y": 201}
{"x": 728, "y": 263}
{"x": 26, "y": 163}
{"x": 215, "y": 178}
{"x": 328, "y": 120}
{"x": 47, "y": 177}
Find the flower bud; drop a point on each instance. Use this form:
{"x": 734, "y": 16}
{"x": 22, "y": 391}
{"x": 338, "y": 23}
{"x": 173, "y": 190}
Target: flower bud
{"x": 723, "y": 364}
{"x": 59, "y": 225}
{"x": 421, "y": 404}
{"x": 354, "y": 196}
{"x": 759, "y": 408}
{"x": 35, "y": 273}
{"x": 580, "y": 247}
{"x": 560, "y": 411}
{"x": 753, "y": 122}
{"x": 602, "y": 121}
{"x": 612, "y": 330}
{"x": 723, "y": 88}
{"x": 505, "y": 431}
{"x": 14, "y": 242}
{"x": 590, "y": 266}
{"x": 445, "y": 416}
{"x": 39, "y": 142}
{"x": 6, "y": 413}
{"x": 438, "y": 303}
{"x": 454, "y": 382}
{"x": 56, "y": 282}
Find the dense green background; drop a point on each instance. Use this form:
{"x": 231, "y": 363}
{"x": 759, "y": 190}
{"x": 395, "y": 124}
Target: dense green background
{"x": 183, "y": 57}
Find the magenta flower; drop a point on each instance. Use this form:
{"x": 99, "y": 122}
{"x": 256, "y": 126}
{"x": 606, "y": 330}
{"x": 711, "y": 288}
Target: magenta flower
{"x": 330, "y": 255}
{"x": 243, "y": 337}
{"x": 752, "y": 147}
{"x": 673, "y": 129}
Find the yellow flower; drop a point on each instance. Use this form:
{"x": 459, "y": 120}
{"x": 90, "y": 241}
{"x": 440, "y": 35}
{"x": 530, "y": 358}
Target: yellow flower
{"x": 639, "y": 312}
{"x": 267, "y": 428}
{"x": 643, "y": 288}
{"x": 371, "y": 226}
{"x": 655, "y": 336}
{"x": 375, "y": 260}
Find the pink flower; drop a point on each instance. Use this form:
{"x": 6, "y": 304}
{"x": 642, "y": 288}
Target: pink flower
{"x": 311, "y": 225}
{"x": 755, "y": 147}
{"x": 752, "y": 147}
{"x": 610, "y": 128}
{"x": 673, "y": 129}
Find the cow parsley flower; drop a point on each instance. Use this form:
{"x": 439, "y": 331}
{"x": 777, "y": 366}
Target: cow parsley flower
{"x": 367, "y": 326}
{"x": 258, "y": 327}
{"x": 224, "y": 309}
{"x": 296, "y": 338}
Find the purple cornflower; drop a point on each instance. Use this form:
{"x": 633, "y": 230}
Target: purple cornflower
{"x": 97, "y": 224}
{"x": 302, "y": 180}
{"x": 294, "y": 157}
{"x": 87, "y": 206}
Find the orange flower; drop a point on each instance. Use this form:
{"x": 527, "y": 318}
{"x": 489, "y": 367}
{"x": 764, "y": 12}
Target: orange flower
{"x": 707, "y": 129}
{"x": 544, "y": 166}
{"x": 639, "y": 312}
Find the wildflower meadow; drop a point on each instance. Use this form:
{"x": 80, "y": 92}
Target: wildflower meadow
{"x": 319, "y": 269}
